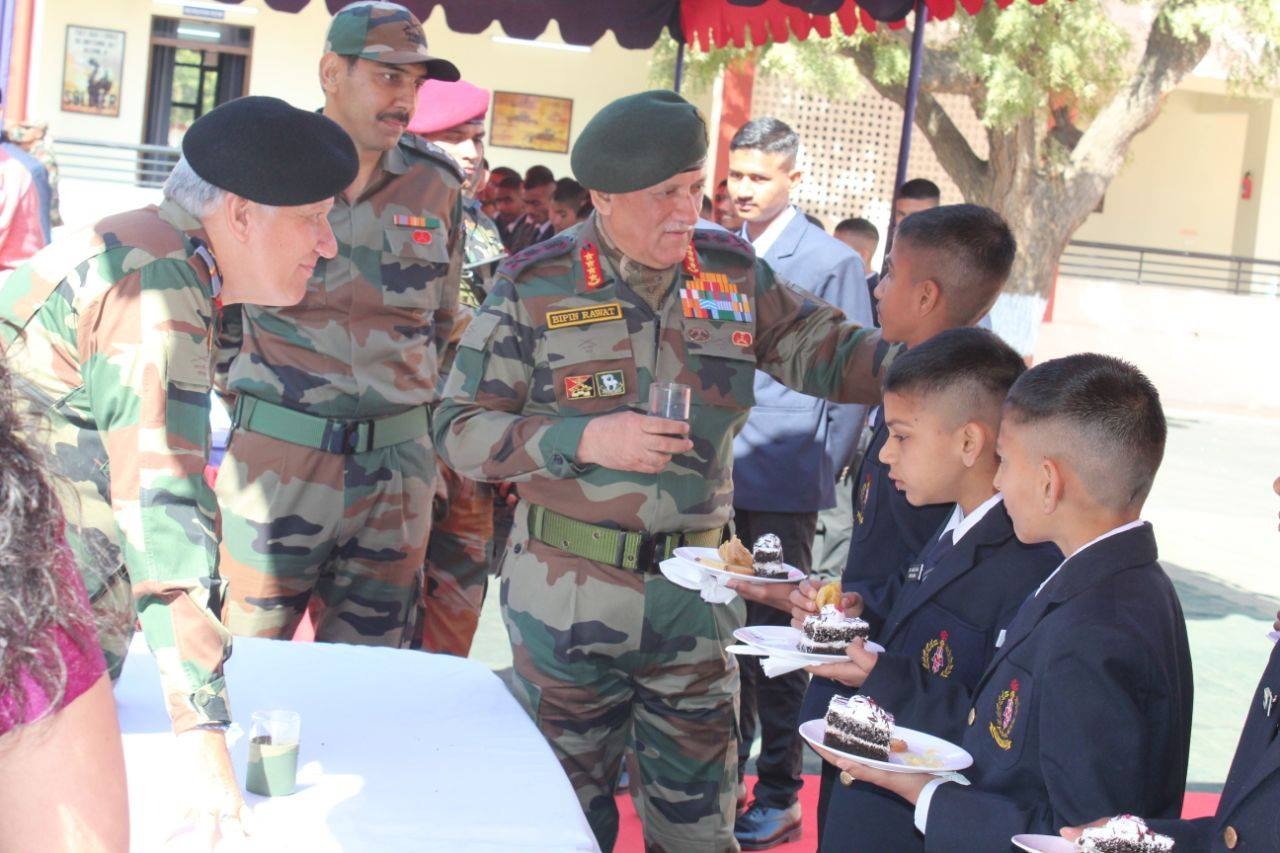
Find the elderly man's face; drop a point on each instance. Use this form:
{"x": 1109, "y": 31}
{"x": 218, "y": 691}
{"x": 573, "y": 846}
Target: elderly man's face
{"x": 276, "y": 251}
{"x": 373, "y": 101}
{"x": 654, "y": 225}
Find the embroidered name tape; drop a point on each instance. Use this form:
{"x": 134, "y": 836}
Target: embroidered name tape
{"x": 584, "y": 316}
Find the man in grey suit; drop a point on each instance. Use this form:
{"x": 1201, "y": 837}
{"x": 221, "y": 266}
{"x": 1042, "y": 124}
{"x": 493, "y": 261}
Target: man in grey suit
{"x": 787, "y": 457}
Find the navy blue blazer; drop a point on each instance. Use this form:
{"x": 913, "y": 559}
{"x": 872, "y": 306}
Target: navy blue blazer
{"x": 887, "y": 535}
{"x": 939, "y": 637}
{"x": 1250, "y": 804}
{"x": 1084, "y": 711}
{"x": 793, "y": 446}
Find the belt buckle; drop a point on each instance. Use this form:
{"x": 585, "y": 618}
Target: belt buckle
{"x": 342, "y": 437}
{"x": 646, "y": 554}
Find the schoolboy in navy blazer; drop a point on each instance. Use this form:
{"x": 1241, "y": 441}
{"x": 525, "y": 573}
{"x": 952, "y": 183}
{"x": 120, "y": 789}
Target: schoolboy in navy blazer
{"x": 943, "y": 402}
{"x": 1248, "y": 814}
{"x": 1086, "y": 707}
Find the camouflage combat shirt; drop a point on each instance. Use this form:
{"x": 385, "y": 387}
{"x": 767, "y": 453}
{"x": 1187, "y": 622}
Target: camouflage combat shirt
{"x": 365, "y": 340}
{"x": 561, "y": 338}
{"x": 110, "y": 350}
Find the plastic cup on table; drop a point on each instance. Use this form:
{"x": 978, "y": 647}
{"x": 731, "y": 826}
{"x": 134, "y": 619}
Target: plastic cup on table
{"x": 273, "y": 753}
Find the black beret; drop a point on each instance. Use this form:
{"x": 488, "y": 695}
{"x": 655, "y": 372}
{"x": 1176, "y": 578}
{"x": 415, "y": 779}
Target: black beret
{"x": 266, "y": 151}
{"x": 638, "y": 141}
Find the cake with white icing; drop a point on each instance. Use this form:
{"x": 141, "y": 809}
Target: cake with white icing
{"x": 829, "y": 631}
{"x": 767, "y": 557}
{"x": 1124, "y": 834}
{"x": 858, "y": 726}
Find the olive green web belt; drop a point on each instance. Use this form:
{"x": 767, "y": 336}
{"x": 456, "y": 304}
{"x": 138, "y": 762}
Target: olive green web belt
{"x": 622, "y": 548}
{"x": 332, "y": 435}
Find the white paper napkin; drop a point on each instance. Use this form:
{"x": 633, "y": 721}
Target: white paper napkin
{"x": 709, "y": 586}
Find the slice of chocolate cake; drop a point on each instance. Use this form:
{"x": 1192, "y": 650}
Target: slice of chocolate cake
{"x": 1124, "y": 834}
{"x": 767, "y": 557}
{"x": 830, "y": 631}
{"x": 858, "y": 726}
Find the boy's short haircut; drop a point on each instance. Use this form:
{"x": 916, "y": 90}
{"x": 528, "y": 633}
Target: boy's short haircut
{"x": 1104, "y": 415}
{"x": 511, "y": 182}
{"x": 972, "y": 369}
{"x": 859, "y": 226}
{"x": 538, "y": 176}
{"x": 967, "y": 249}
{"x": 501, "y": 173}
{"x": 920, "y": 189}
{"x": 574, "y": 195}
{"x": 769, "y": 135}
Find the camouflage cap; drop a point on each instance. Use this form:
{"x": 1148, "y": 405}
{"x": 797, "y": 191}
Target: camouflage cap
{"x": 638, "y": 141}
{"x": 384, "y": 32}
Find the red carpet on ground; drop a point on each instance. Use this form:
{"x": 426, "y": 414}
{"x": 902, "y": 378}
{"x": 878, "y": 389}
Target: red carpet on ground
{"x": 630, "y": 839}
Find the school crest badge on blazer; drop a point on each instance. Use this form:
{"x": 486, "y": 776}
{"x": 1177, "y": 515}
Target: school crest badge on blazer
{"x": 937, "y": 656}
{"x": 1006, "y": 715}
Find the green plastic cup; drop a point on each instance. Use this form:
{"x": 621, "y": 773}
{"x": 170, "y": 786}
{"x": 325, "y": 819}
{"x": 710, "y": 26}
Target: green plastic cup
{"x": 273, "y": 753}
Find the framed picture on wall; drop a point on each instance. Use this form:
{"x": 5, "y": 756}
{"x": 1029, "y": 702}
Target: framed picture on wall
{"x": 535, "y": 122}
{"x": 91, "y": 71}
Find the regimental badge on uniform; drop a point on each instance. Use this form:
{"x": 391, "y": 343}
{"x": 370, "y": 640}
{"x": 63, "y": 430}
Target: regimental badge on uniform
{"x": 697, "y": 334}
{"x": 1006, "y": 715}
{"x": 864, "y": 495}
{"x": 937, "y": 657}
{"x": 743, "y": 339}
{"x": 580, "y": 387}
{"x": 711, "y": 296}
{"x": 611, "y": 383}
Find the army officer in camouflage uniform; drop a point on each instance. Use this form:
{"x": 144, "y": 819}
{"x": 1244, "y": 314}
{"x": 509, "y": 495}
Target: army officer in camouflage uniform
{"x": 545, "y": 391}
{"x": 109, "y": 334}
{"x": 327, "y": 483}
{"x": 460, "y": 548}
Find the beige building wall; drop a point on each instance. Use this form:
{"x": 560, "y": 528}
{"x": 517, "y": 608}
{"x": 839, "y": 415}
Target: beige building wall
{"x": 286, "y": 48}
{"x": 1180, "y": 185}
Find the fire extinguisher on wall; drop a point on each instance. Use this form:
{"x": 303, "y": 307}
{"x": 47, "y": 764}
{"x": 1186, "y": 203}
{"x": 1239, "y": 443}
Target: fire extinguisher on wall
{"x": 1246, "y": 186}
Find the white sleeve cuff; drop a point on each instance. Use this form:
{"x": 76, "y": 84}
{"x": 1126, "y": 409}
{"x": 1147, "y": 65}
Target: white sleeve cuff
{"x": 922, "y": 804}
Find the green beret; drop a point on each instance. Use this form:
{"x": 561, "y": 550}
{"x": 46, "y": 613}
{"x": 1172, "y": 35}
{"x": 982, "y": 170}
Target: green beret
{"x": 639, "y": 141}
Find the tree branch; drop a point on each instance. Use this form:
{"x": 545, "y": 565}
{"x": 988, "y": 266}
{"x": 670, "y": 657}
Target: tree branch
{"x": 1099, "y": 154}
{"x": 954, "y": 152}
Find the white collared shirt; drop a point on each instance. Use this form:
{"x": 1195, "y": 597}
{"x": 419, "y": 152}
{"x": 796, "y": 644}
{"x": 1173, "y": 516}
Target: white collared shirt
{"x": 960, "y": 524}
{"x": 772, "y": 231}
{"x": 926, "y": 794}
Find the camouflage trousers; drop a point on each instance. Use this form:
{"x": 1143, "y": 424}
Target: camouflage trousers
{"x": 352, "y": 530}
{"x": 457, "y": 569}
{"x": 607, "y": 659}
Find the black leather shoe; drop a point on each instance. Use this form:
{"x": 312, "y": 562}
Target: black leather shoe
{"x": 761, "y": 827}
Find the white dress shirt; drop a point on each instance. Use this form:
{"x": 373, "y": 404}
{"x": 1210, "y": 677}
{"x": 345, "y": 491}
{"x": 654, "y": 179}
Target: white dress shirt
{"x": 772, "y": 232}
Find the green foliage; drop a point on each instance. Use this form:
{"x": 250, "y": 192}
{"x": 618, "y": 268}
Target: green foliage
{"x": 1010, "y": 61}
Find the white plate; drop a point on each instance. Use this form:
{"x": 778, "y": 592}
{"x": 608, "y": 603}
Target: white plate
{"x": 690, "y": 555}
{"x": 783, "y": 640}
{"x": 1044, "y": 844}
{"x": 930, "y": 754}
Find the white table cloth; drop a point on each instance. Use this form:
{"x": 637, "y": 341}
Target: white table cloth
{"x": 400, "y": 751}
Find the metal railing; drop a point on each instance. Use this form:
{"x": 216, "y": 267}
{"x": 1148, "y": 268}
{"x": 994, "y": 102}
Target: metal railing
{"x": 117, "y": 162}
{"x": 1143, "y": 265}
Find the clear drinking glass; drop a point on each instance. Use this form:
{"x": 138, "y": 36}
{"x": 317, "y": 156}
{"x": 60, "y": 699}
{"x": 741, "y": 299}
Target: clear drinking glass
{"x": 669, "y": 400}
{"x": 273, "y": 753}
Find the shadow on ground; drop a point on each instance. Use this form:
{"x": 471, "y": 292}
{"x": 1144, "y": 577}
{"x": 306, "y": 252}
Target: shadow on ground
{"x": 1207, "y": 597}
